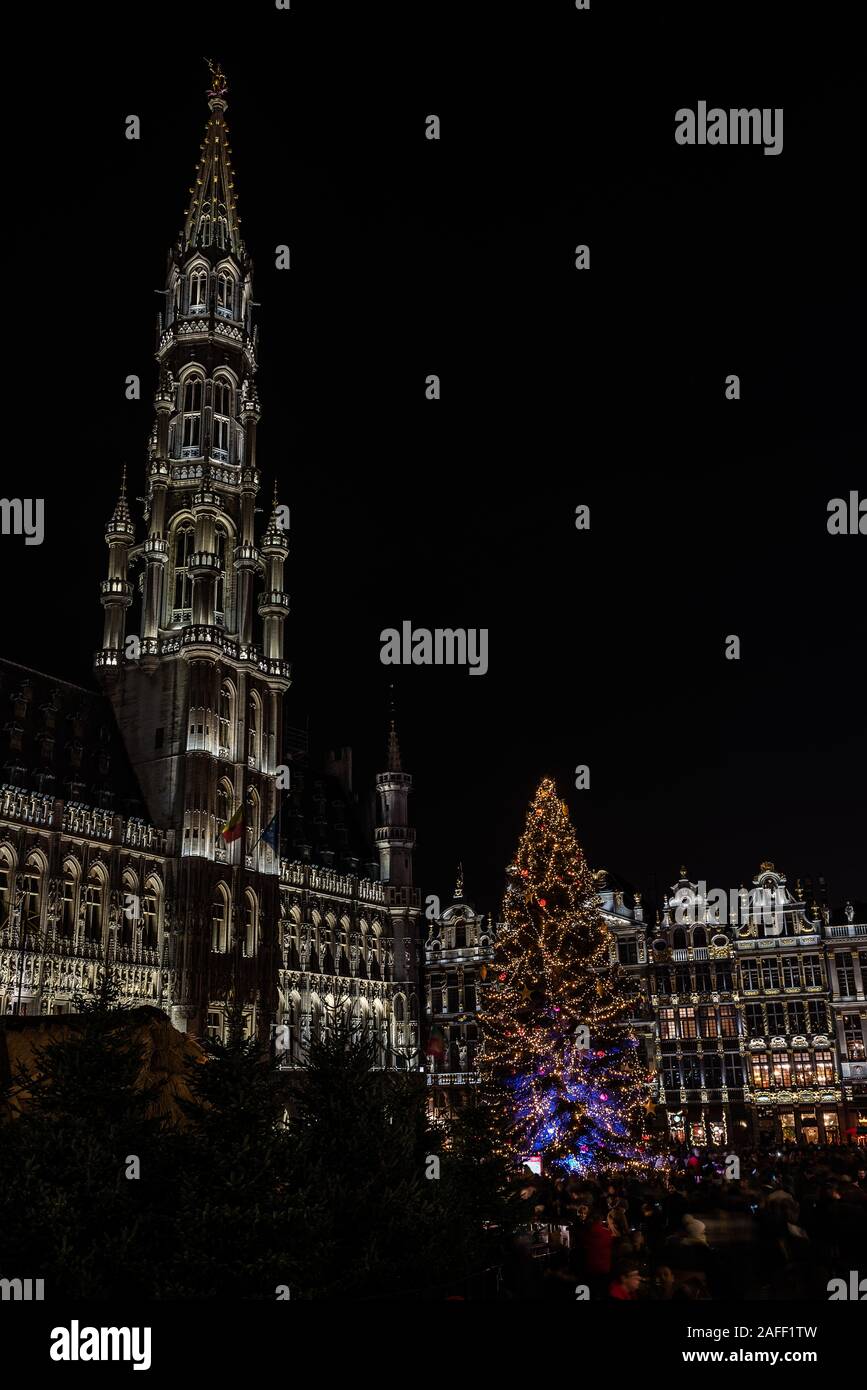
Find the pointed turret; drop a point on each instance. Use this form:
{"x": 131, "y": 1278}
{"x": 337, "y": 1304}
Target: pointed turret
{"x": 395, "y": 838}
{"x": 212, "y": 216}
{"x": 116, "y": 590}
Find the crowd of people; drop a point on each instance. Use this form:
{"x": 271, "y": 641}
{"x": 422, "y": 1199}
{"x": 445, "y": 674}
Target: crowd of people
{"x": 774, "y": 1225}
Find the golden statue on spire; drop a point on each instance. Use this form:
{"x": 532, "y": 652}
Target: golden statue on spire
{"x": 219, "y": 84}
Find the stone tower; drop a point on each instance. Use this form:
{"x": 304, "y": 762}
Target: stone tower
{"x": 197, "y": 677}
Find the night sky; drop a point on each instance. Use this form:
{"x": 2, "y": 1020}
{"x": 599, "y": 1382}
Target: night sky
{"x": 606, "y": 387}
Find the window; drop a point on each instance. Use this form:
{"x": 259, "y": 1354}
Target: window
{"x": 254, "y": 730}
{"x": 686, "y": 1023}
{"x": 627, "y": 952}
{"x": 702, "y": 979}
{"x": 215, "y": 1025}
{"x": 771, "y": 974}
{"x": 182, "y": 604}
{"x": 812, "y": 971}
{"x": 749, "y": 974}
{"x": 708, "y": 1021}
{"x": 671, "y": 1073}
{"x": 682, "y": 983}
{"x": 734, "y": 1073}
{"x": 452, "y": 997}
{"x": 220, "y": 922}
{"x": 755, "y": 1020}
{"x": 713, "y": 1070}
{"x": 803, "y": 1068}
{"x": 845, "y": 975}
{"x": 791, "y": 968}
{"x": 31, "y": 890}
{"x": 470, "y": 992}
{"x": 776, "y": 1015}
{"x": 818, "y": 1015}
{"x": 191, "y": 416}
{"x": 724, "y": 976}
{"x": 760, "y": 1070}
{"x": 67, "y": 903}
{"x": 854, "y": 1038}
{"x": 782, "y": 1068}
{"x": 797, "y": 1016}
{"x": 224, "y": 807}
{"x": 198, "y": 290}
{"x": 93, "y": 909}
{"x": 728, "y": 1020}
{"x": 220, "y": 587}
{"x": 691, "y": 1068}
{"x": 224, "y": 722}
{"x": 5, "y": 887}
{"x": 824, "y": 1069}
{"x": 252, "y": 823}
{"x": 666, "y": 1024}
{"x": 663, "y": 982}
{"x": 149, "y": 918}
{"x": 226, "y": 294}
{"x": 223, "y": 401}
{"x": 251, "y": 925}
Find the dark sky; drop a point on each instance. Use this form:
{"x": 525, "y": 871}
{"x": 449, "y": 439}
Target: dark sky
{"x": 708, "y": 517}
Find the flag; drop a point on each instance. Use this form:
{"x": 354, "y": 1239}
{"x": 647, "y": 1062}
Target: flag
{"x": 271, "y": 833}
{"x": 234, "y": 827}
{"x": 436, "y": 1043}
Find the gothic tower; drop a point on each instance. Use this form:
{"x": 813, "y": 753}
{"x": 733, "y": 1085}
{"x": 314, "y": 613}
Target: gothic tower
{"x": 198, "y": 686}
{"x": 395, "y": 843}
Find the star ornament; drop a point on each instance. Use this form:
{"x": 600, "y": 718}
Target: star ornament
{"x": 650, "y": 1107}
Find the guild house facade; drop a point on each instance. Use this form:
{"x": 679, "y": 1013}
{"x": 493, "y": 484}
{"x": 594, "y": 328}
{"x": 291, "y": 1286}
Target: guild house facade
{"x": 114, "y": 804}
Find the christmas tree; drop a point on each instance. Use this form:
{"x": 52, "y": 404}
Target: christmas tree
{"x": 559, "y": 1064}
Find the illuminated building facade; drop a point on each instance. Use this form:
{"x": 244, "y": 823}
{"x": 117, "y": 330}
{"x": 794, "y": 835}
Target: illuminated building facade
{"x": 111, "y": 845}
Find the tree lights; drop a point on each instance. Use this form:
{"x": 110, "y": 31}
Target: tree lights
{"x": 560, "y": 1067}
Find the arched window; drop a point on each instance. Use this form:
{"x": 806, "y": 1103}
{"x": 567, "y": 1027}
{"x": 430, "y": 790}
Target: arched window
{"x": 254, "y": 730}
{"x": 130, "y": 909}
{"x": 220, "y": 541}
{"x": 226, "y": 719}
{"x": 150, "y": 914}
{"x": 223, "y": 404}
{"x": 699, "y": 936}
{"x": 252, "y": 822}
{"x": 220, "y": 225}
{"x": 31, "y": 888}
{"x": 6, "y": 877}
{"x": 678, "y": 939}
{"x": 192, "y": 393}
{"x": 220, "y": 920}
{"x": 182, "y": 604}
{"x": 66, "y": 925}
{"x": 93, "y": 907}
{"x": 198, "y": 290}
{"x": 251, "y": 924}
{"x": 226, "y": 294}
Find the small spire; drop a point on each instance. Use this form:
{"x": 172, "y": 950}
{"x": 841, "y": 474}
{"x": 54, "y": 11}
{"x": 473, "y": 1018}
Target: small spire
{"x": 121, "y": 517}
{"x": 459, "y": 884}
{"x": 394, "y": 764}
